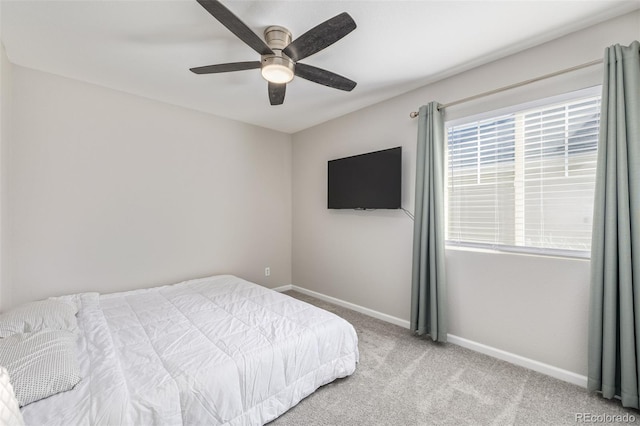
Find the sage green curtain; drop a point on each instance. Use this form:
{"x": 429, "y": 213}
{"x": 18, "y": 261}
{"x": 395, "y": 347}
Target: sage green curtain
{"x": 614, "y": 319}
{"x": 428, "y": 286}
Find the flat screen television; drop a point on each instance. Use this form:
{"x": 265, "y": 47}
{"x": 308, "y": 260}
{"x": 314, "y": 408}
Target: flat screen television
{"x": 366, "y": 181}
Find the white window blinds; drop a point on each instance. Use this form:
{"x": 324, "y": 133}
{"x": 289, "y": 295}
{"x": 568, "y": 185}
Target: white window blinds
{"x": 525, "y": 178}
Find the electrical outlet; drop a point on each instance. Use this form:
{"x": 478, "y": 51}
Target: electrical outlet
{"x": 267, "y": 271}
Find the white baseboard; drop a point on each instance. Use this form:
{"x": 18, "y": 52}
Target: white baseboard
{"x": 540, "y": 367}
{"x": 353, "y": 307}
{"x": 283, "y": 288}
{"x": 531, "y": 364}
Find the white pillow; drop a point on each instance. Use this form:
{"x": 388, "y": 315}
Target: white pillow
{"x": 10, "y": 414}
{"x": 34, "y": 316}
{"x": 40, "y": 364}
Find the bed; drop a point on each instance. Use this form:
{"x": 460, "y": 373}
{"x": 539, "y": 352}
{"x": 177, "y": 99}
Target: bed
{"x": 217, "y": 350}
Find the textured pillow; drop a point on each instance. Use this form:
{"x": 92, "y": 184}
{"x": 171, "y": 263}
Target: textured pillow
{"x": 10, "y": 414}
{"x": 41, "y": 363}
{"x": 34, "y": 316}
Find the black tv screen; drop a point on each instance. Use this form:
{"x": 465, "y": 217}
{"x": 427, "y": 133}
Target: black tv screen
{"x": 366, "y": 181}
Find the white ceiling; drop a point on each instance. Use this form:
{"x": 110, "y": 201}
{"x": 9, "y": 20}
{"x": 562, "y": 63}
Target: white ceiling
{"x": 147, "y": 47}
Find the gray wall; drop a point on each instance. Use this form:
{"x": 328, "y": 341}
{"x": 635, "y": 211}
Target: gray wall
{"x": 109, "y": 191}
{"x": 532, "y": 306}
{"x": 5, "y": 121}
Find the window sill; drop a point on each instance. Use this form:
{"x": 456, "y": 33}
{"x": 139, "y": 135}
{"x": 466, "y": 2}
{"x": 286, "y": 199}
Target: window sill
{"x": 521, "y": 251}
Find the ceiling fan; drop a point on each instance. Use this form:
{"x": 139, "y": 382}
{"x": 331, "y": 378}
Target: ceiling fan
{"x": 280, "y": 55}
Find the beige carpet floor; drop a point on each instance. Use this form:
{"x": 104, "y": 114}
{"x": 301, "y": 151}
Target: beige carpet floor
{"x": 404, "y": 380}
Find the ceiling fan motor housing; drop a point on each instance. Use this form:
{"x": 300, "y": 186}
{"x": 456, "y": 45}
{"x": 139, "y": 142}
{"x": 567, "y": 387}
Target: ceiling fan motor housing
{"x": 277, "y": 38}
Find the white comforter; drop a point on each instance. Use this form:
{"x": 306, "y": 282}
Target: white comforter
{"x": 217, "y": 350}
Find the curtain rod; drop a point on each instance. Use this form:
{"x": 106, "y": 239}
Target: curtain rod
{"x": 414, "y": 114}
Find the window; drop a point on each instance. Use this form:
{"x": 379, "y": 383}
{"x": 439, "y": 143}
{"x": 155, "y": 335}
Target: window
{"x": 524, "y": 179}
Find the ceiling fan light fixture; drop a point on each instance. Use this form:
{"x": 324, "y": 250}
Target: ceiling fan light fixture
{"x": 277, "y": 69}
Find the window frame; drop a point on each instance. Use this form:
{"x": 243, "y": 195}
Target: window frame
{"x": 527, "y": 250}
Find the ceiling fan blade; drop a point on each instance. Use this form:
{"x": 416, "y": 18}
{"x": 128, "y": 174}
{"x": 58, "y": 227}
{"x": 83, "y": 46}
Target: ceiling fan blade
{"x": 320, "y": 36}
{"x": 236, "y": 26}
{"x": 276, "y": 93}
{"x": 232, "y": 66}
{"x": 327, "y": 78}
